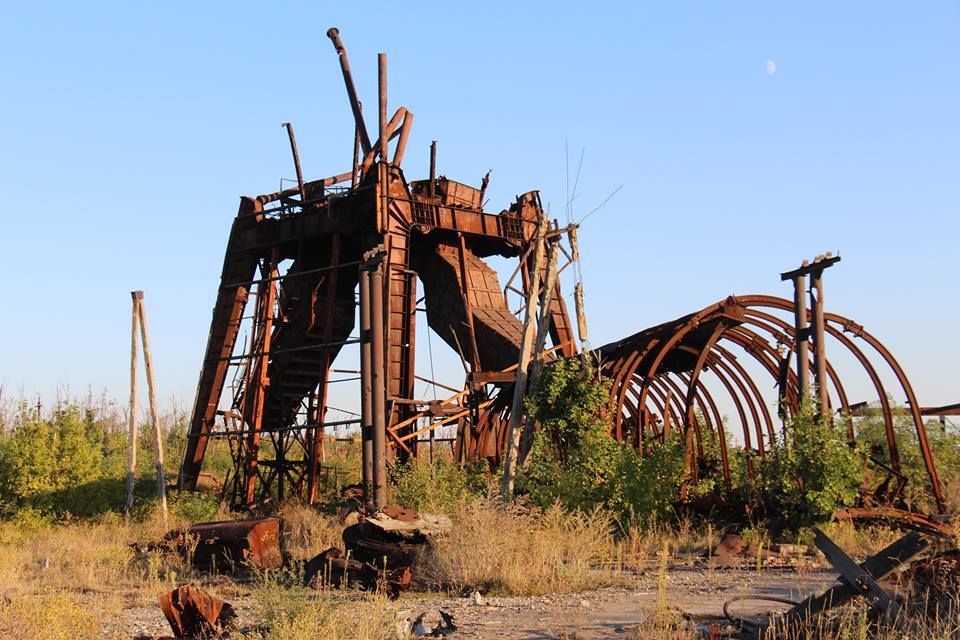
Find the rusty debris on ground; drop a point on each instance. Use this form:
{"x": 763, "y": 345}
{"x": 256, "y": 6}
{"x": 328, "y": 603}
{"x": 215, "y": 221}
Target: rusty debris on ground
{"x": 196, "y": 615}
{"x": 231, "y": 545}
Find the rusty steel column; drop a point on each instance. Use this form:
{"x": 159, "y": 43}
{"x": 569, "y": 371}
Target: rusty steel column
{"x": 800, "y": 324}
{"x": 379, "y": 387}
{"x": 819, "y": 351}
{"x": 366, "y": 389}
{"x": 334, "y": 34}
{"x": 382, "y": 94}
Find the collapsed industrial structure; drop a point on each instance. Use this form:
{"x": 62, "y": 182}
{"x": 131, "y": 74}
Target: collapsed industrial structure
{"x": 297, "y": 257}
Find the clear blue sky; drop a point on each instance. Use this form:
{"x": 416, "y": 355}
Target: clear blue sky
{"x": 128, "y": 131}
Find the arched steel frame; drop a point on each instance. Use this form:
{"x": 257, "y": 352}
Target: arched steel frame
{"x": 657, "y": 378}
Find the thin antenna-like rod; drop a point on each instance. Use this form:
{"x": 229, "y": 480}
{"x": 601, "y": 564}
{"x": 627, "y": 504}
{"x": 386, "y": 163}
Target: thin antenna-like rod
{"x": 433, "y": 167}
{"x": 296, "y": 159}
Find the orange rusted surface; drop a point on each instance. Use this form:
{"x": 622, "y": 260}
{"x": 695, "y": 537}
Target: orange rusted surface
{"x": 238, "y": 544}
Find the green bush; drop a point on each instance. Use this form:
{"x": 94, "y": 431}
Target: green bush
{"x": 44, "y": 459}
{"x": 575, "y": 461}
{"x": 440, "y": 487}
{"x": 193, "y": 506}
{"x": 944, "y": 444}
{"x": 811, "y": 475}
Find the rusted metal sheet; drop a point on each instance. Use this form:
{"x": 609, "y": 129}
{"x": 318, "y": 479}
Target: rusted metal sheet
{"x": 238, "y": 544}
{"x": 195, "y": 614}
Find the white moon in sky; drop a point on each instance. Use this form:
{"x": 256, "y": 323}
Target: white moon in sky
{"x": 771, "y": 67}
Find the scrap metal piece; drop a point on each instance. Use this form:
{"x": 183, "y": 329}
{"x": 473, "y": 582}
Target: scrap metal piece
{"x": 856, "y": 580}
{"x": 854, "y": 574}
{"x": 940, "y": 526}
{"x": 193, "y": 613}
{"x": 331, "y": 568}
{"x": 238, "y": 544}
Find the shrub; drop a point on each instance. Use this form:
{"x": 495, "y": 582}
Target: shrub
{"x": 576, "y": 462}
{"x": 439, "y": 487}
{"x": 944, "y": 444}
{"x": 42, "y": 459}
{"x": 193, "y": 507}
{"x": 811, "y": 475}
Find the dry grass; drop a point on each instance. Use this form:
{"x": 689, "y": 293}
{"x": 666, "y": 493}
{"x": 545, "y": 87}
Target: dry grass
{"x": 57, "y": 615}
{"x": 78, "y": 556}
{"x": 307, "y": 532}
{"x": 518, "y": 551}
{"x": 287, "y": 612}
{"x": 640, "y": 548}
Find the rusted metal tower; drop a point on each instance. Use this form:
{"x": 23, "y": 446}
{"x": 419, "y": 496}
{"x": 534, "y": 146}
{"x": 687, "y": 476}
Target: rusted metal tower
{"x": 302, "y": 253}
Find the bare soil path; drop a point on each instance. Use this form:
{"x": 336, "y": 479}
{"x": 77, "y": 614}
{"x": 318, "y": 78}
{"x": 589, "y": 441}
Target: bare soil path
{"x": 603, "y": 613}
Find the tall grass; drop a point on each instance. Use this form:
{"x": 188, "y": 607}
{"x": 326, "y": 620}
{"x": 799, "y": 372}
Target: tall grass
{"x": 521, "y": 551}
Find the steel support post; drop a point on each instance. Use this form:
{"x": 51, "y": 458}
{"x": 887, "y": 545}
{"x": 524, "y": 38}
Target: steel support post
{"x": 801, "y": 324}
{"x": 819, "y": 351}
{"x": 366, "y": 388}
{"x": 378, "y": 381}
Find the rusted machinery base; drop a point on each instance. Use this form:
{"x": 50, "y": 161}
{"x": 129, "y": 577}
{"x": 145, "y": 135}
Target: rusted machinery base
{"x": 237, "y": 545}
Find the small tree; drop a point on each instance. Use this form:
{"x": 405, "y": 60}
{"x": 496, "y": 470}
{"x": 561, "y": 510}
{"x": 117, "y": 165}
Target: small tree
{"x": 811, "y": 475}
{"x": 576, "y": 462}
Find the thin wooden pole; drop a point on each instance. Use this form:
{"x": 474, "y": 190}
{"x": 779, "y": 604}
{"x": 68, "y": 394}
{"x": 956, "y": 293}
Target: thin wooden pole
{"x": 526, "y": 349}
{"x": 132, "y": 454}
{"x": 152, "y": 392}
{"x": 543, "y": 328}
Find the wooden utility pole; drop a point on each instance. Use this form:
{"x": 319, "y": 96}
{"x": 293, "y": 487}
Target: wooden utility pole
{"x": 132, "y": 455}
{"x": 140, "y": 315}
{"x": 526, "y": 350}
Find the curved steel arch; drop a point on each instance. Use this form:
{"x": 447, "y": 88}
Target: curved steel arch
{"x": 663, "y": 366}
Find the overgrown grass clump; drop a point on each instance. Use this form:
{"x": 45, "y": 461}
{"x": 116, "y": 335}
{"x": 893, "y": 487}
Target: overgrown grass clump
{"x": 522, "y": 551}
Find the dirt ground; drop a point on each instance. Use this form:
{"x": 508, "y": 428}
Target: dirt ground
{"x": 603, "y": 613}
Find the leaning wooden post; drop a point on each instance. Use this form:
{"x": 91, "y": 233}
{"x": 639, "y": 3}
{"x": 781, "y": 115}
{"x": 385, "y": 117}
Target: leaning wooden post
{"x": 526, "y": 349}
{"x": 132, "y": 455}
{"x": 536, "y": 365}
{"x": 157, "y": 435}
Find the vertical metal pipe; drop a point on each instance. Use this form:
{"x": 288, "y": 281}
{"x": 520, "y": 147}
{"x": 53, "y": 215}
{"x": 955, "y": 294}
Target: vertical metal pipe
{"x": 296, "y": 159}
{"x": 819, "y": 352}
{"x": 378, "y": 379}
{"x": 433, "y": 167}
{"x": 800, "y": 325}
{"x": 334, "y": 34}
{"x": 366, "y": 388}
{"x": 382, "y": 94}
